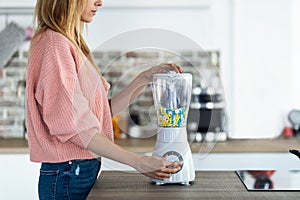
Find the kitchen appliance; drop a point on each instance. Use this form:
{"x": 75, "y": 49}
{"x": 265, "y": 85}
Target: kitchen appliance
{"x": 295, "y": 152}
{"x": 270, "y": 180}
{"x": 172, "y": 96}
{"x": 294, "y": 118}
{"x": 206, "y": 121}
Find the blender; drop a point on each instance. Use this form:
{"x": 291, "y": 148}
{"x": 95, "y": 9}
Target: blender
{"x": 172, "y": 96}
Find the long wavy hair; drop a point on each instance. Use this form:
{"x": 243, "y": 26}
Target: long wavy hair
{"x": 63, "y": 16}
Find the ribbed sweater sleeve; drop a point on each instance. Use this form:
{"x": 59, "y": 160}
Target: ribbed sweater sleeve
{"x": 64, "y": 108}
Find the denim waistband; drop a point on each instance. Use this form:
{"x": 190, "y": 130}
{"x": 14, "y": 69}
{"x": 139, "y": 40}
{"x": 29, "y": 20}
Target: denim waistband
{"x": 64, "y": 164}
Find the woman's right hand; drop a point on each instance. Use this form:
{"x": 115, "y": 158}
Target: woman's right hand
{"x": 161, "y": 68}
{"x": 157, "y": 167}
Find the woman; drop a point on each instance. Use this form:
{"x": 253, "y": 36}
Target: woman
{"x": 68, "y": 114}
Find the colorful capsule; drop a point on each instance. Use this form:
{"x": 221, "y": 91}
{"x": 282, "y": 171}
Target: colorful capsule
{"x": 175, "y": 117}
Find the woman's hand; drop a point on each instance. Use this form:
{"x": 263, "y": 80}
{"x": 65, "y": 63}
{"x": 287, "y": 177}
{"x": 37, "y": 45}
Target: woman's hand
{"x": 151, "y": 166}
{"x": 157, "y": 167}
{"x": 160, "y": 69}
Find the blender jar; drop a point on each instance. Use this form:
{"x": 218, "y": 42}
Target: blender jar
{"x": 172, "y": 96}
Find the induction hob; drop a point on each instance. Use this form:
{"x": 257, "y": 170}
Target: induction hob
{"x": 270, "y": 180}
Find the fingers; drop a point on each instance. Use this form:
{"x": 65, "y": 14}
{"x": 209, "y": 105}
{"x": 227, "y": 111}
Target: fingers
{"x": 161, "y": 175}
{"x": 161, "y": 68}
{"x": 171, "y": 66}
{"x": 178, "y": 68}
{"x": 158, "y": 174}
{"x": 166, "y": 172}
{"x": 171, "y": 164}
{"x": 172, "y": 167}
{"x": 159, "y": 167}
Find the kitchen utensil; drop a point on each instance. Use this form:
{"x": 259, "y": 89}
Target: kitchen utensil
{"x": 294, "y": 118}
{"x": 295, "y": 152}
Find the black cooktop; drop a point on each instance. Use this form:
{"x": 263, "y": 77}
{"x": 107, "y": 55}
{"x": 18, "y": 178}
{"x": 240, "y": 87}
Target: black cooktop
{"x": 270, "y": 180}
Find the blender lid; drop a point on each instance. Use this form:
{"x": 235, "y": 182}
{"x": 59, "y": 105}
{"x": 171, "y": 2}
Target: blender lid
{"x": 172, "y": 74}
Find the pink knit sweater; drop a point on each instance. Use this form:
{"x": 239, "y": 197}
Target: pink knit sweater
{"x": 67, "y": 101}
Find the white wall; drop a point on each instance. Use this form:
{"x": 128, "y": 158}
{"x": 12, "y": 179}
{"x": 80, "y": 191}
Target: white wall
{"x": 111, "y": 21}
{"x": 262, "y": 50}
{"x": 295, "y": 87}
{"x": 23, "y": 20}
{"x": 258, "y": 40}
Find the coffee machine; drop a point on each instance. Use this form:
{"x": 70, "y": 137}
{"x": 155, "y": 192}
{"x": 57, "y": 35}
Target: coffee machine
{"x": 172, "y": 96}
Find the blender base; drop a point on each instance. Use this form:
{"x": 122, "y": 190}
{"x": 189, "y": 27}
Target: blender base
{"x": 179, "y": 183}
{"x": 172, "y": 142}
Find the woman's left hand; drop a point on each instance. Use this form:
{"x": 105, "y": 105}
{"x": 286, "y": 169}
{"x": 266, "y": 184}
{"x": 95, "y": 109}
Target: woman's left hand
{"x": 160, "y": 69}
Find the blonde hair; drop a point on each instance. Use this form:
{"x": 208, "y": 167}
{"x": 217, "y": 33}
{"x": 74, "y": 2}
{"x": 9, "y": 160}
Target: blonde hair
{"x": 63, "y": 16}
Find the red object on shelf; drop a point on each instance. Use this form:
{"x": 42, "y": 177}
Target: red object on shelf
{"x": 288, "y": 132}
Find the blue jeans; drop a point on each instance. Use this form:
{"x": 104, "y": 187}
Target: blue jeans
{"x": 67, "y": 180}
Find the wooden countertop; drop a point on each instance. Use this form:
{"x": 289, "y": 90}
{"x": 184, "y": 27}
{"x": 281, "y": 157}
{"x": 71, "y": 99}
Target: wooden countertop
{"x": 13, "y": 146}
{"x": 142, "y": 145}
{"x": 208, "y": 185}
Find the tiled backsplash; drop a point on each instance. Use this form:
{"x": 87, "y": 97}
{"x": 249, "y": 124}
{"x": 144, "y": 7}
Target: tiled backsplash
{"x": 12, "y": 98}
